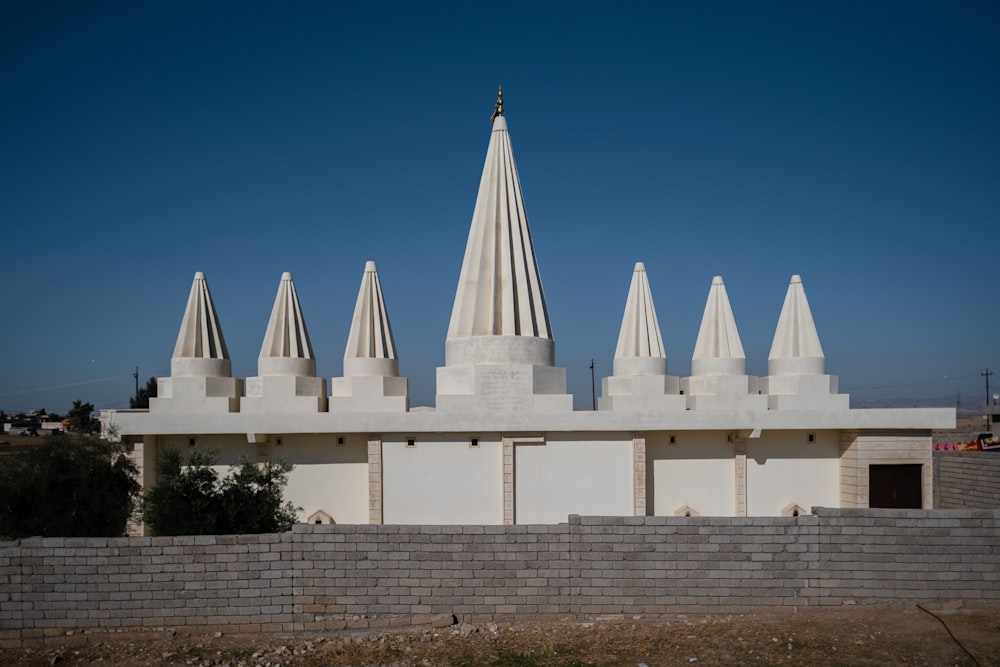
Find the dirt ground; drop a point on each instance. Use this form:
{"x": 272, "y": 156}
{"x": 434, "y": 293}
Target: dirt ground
{"x": 863, "y": 636}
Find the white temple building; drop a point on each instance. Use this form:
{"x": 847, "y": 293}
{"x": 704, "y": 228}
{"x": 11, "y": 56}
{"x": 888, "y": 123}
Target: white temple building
{"x": 503, "y": 444}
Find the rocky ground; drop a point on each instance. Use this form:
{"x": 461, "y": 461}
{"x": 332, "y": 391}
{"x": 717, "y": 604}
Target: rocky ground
{"x": 862, "y": 636}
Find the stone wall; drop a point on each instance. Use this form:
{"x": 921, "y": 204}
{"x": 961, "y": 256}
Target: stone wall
{"x": 319, "y": 578}
{"x": 966, "y": 480}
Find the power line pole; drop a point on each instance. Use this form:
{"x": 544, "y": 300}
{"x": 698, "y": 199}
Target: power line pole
{"x": 593, "y": 387}
{"x": 987, "y": 375}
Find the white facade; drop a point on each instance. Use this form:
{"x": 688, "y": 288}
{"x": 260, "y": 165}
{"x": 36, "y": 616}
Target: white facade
{"x": 503, "y": 444}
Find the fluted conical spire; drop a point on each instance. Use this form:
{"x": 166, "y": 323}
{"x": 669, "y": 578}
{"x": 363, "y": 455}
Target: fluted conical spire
{"x": 371, "y": 349}
{"x": 640, "y": 332}
{"x": 796, "y": 348}
{"x": 640, "y": 345}
{"x": 286, "y": 338}
{"x": 200, "y": 350}
{"x": 200, "y": 335}
{"x": 499, "y": 290}
{"x": 718, "y": 350}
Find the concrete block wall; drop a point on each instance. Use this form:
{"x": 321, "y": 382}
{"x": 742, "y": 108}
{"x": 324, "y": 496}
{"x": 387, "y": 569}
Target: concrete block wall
{"x": 335, "y": 577}
{"x": 965, "y": 480}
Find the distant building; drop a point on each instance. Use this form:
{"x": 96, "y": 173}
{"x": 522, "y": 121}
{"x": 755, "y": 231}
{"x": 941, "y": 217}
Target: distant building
{"x": 503, "y": 444}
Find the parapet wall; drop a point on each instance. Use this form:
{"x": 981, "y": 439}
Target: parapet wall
{"x": 966, "y": 480}
{"x": 318, "y": 578}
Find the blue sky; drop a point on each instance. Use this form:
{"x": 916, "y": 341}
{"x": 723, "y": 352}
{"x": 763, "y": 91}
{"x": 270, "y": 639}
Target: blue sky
{"x": 853, "y": 143}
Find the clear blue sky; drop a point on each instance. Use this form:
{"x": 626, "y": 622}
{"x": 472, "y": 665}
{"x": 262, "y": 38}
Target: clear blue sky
{"x": 854, "y": 143}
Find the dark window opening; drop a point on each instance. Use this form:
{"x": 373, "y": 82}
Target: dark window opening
{"x": 896, "y": 486}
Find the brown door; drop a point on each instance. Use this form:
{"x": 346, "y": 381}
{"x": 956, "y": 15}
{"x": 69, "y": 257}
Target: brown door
{"x": 898, "y": 486}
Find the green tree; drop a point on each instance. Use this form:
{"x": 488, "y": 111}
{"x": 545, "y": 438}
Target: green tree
{"x": 191, "y": 499}
{"x": 80, "y": 419}
{"x": 145, "y": 393}
{"x": 68, "y": 487}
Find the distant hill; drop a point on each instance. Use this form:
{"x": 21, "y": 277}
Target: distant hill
{"x": 967, "y": 408}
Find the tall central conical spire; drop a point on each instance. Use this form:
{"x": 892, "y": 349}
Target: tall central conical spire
{"x": 499, "y": 323}
{"x": 499, "y": 290}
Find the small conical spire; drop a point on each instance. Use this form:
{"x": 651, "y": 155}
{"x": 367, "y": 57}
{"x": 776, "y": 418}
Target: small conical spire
{"x": 718, "y": 350}
{"x": 371, "y": 335}
{"x": 498, "y": 107}
{"x": 200, "y": 336}
{"x": 796, "y": 348}
{"x": 640, "y": 332}
{"x": 640, "y": 345}
{"x": 286, "y": 337}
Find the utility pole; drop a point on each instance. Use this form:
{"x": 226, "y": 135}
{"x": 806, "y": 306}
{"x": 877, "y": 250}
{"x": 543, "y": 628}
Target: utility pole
{"x": 136, "y": 376}
{"x": 987, "y": 375}
{"x": 593, "y": 389}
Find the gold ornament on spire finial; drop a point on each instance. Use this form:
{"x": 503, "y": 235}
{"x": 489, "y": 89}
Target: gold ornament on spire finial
{"x": 498, "y": 108}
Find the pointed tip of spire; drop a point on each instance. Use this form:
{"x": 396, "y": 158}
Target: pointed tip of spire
{"x": 286, "y": 276}
{"x": 717, "y": 280}
{"x": 498, "y": 106}
{"x": 370, "y": 266}
{"x": 198, "y": 275}
{"x": 639, "y": 266}
{"x": 796, "y": 279}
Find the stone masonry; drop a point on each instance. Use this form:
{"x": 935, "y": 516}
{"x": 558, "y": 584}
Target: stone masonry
{"x": 334, "y": 577}
{"x": 966, "y": 480}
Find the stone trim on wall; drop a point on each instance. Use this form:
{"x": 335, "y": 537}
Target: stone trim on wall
{"x": 375, "y": 478}
{"x": 741, "y": 476}
{"x": 509, "y": 444}
{"x": 639, "y": 474}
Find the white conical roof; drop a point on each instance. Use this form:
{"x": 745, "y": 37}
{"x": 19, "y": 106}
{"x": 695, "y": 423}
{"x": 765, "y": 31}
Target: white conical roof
{"x": 718, "y": 350}
{"x": 371, "y": 349}
{"x": 796, "y": 348}
{"x": 286, "y": 337}
{"x": 499, "y": 290}
{"x": 200, "y": 348}
{"x": 640, "y": 345}
{"x": 200, "y": 335}
{"x": 640, "y": 332}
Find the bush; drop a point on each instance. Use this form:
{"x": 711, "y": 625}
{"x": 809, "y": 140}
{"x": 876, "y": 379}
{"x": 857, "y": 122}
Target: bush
{"x": 68, "y": 487}
{"x": 191, "y": 499}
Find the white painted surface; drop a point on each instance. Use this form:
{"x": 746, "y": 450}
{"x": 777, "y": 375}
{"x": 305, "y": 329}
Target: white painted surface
{"x": 784, "y": 468}
{"x": 441, "y": 479}
{"x": 698, "y": 471}
{"x": 326, "y": 476}
{"x": 571, "y": 474}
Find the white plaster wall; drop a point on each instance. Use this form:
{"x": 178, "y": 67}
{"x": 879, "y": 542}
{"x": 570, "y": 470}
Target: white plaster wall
{"x": 323, "y": 475}
{"x": 442, "y": 480}
{"x": 327, "y": 476}
{"x": 589, "y": 474}
{"x": 698, "y": 471}
{"x": 784, "y": 468}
